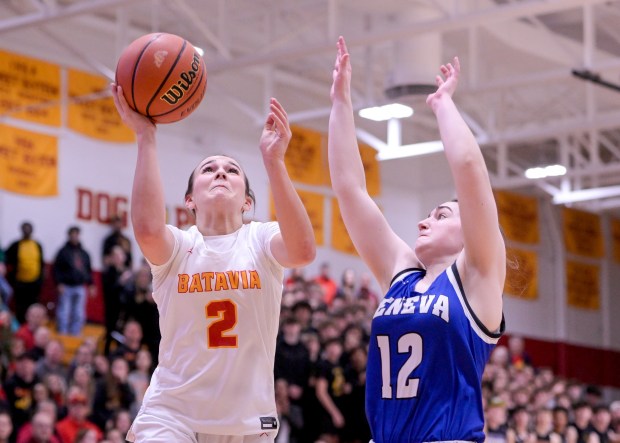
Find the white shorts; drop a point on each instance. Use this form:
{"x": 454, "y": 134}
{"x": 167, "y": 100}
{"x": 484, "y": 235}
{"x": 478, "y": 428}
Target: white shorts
{"x": 158, "y": 429}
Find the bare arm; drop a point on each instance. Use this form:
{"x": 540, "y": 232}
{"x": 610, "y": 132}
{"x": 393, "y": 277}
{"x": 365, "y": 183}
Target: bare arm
{"x": 380, "y": 248}
{"x": 148, "y": 211}
{"x": 295, "y": 245}
{"x": 326, "y": 401}
{"x": 483, "y": 263}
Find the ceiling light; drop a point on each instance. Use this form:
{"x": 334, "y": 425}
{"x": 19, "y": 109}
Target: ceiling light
{"x": 415, "y": 149}
{"x": 386, "y": 112}
{"x": 545, "y": 171}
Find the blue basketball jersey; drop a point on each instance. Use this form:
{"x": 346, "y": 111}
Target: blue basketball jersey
{"x": 426, "y": 356}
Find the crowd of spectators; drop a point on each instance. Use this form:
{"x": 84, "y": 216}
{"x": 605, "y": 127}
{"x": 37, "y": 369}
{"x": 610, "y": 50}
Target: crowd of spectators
{"x": 93, "y": 394}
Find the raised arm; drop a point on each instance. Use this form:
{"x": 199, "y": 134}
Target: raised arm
{"x": 295, "y": 245}
{"x": 483, "y": 262}
{"x": 380, "y": 248}
{"x": 148, "y": 210}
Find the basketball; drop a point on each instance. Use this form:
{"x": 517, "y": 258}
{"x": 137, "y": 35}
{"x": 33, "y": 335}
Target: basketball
{"x": 163, "y": 77}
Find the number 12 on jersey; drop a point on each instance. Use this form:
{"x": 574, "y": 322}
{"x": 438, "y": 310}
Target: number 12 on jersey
{"x": 407, "y": 344}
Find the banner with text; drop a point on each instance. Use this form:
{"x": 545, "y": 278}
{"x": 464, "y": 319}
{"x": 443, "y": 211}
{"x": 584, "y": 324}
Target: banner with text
{"x": 582, "y": 233}
{"x": 313, "y": 203}
{"x": 28, "y": 162}
{"x": 521, "y": 274}
{"x": 518, "y": 217}
{"x": 582, "y": 285}
{"x": 91, "y": 112}
{"x": 340, "y": 236}
{"x": 304, "y": 157}
{"x": 30, "y": 89}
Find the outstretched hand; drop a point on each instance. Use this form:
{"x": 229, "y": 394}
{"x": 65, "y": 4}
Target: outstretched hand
{"x": 341, "y": 86}
{"x": 276, "y": 132}
{"x": 446, "y": 85}
{"x": 135, "y": 121}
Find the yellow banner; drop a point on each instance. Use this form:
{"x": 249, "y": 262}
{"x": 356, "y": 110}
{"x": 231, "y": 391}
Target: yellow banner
{"x": 582, "y": 285}
{"x": 313, "y": 203}
{"x": 92, "y": 115}
{"x": 340, "y": 236}
{"x": 28, "y": 162}
{"x": 371, "y": 169}
{"x": 615, "y": 238}
{"x": 518, "y": 217}
{"x": 304, "y": 157}
{"x": 521, "y": 274}
{"x": 30, "y": 89}
{"x": 582, "y": 233}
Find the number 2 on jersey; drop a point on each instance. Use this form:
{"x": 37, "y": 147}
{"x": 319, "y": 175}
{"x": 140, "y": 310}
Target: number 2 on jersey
{"x": 405, "y": 387}
{"x": 225, "y": 313}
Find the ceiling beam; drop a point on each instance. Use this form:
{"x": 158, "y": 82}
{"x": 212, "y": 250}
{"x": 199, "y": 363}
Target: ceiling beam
{"x": 60, "y": 12}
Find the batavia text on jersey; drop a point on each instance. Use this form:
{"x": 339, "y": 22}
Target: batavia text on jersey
{"x": 218, "y": 281}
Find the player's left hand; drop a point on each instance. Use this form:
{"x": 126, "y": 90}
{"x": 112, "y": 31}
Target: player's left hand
{"x": 276, "y": 132}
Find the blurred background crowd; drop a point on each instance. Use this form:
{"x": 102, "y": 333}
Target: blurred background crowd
{"x": 65, "y": 380}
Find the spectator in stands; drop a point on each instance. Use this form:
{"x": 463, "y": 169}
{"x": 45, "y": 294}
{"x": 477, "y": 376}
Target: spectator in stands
{"x": 365, "y": 293}
{"x": 86, "y": 436}
{"x": 290, "y": 415}
{"x": 292, "y": 360}
{"x": 327, "y": 284}
{"x": 593, "y": 395}
{"x": 121, "y": 420}
{"x": 25, "y": 270}
{"x": 140, "y": 377}
{"x": 42, "y": 336}
{"x": 72, "y": 271}
{"x": 614, "y": 410}
{"x": 580, "y": 427}
{"x": 6, "y": 426}
{"x": 302, "y": 312}
{"x": 518, "y": 356}
{"x": 543, "y": 426}
{"x": 130, "y": 343}
{"x": 356, "y": 425}
{"x": 46, "y": 407}
{"x": 83, "y": 378}
{"x": 601, "y": 421}
{"x": 117, "y": 238}
{"x": 330, "y": 391}
{"x": 519, "y": 428}
{"x": 18, "y": 389}
{"x": 560, "y": 421}
{"x": 36, "y": 316}
{"x": 346, "y": 289}
{"x": 112, "y": 393}
{"x": 6, "y": 291}
{"x": 56, "y": 385}
{"x": 143, "y": 309}
{"x": 496, "y": 421}
{"x": 84, "y": 356}
{"x": 117, "y": 280}
{"x": 76, "y": 418}
{"x": 43, "y": 429}
{"x": 52, "y": 361}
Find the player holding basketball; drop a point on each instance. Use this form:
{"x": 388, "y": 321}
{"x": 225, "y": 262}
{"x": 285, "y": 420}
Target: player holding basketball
{"x": 442, "y": 313}
{"x": 218, "y": 288}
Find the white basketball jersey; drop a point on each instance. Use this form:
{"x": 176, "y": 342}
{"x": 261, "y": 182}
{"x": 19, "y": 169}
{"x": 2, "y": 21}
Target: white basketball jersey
{"x": 219, "y": 304}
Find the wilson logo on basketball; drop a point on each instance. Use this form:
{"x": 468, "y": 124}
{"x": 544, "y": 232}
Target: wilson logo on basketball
{"x": 176, "y": 92}
{"x": 159, "y": 58}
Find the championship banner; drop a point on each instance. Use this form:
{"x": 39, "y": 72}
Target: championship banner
{"x": 28, "y": 162}
{"x": 518, "y": 217}
{"x": 615, "y": 238}
{"x": 582, "y": 233}
{"x": 521, "y": 274}
{"x": 371, "y": 169}
{"x": 582, "y": 285}
{"x": 304, "y": 157}
{"x": 30, "y": 89}
{"x": 91, "y": 113}
{"x": 313, "y": 203}
{"x": 340, "y": 236}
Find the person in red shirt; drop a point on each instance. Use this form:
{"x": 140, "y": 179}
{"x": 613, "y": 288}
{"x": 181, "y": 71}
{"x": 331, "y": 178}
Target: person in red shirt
{"x": 78, "y": 409}
{"x": 329, "y": 286}
{"x": 36, "y": 316}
